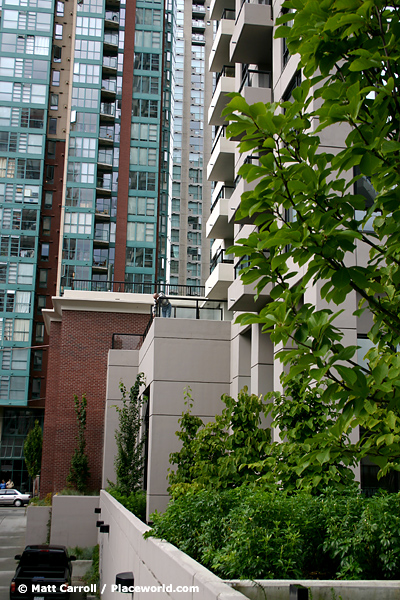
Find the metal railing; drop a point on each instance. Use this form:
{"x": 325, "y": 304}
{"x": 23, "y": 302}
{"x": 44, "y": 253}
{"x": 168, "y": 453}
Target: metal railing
{"x": 221, "y": 133}
{"x": 226, "y": 71}
{"x": 128, "y": 341}
{"x": 222, "y": 194}
{"x": 92, "y": 285}
{"x": 255, "y": 78}
{"x": 221, "y": 257}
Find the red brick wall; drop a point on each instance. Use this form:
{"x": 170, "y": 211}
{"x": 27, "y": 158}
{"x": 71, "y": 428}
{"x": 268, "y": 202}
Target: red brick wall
{"x": 77, "y": 364}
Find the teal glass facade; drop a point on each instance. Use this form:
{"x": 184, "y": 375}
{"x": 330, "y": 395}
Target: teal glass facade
{"x": 26, "y": 34}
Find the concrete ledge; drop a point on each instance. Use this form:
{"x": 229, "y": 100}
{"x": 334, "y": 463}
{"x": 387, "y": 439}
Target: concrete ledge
{"x": 278, "y": 589}
{"x": 79, "y": 569}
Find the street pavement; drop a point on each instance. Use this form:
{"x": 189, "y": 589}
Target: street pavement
{"x": 12, "y": 542}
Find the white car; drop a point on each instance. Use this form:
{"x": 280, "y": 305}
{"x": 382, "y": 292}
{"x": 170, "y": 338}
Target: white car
{"x": 14, "y": 497}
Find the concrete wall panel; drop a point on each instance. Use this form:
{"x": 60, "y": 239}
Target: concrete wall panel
{"x": 73, "y": 521}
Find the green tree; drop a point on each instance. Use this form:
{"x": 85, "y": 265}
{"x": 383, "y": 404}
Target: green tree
{"x": 311, "y": 224}
{"x": 222, "y": 453}
{"x": 79, "y": 472}
{"x": 129, "y": 461}
{"x": 33, "y": 450}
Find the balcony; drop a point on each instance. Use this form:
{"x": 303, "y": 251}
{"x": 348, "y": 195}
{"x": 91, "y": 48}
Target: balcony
{"x": 225, "y": 84}
{"x": 256, "y": 86}
{"x": 221, "y": 276}
{"x": 104, "y": 184}
{"x": 112, "y": 19}
{"x": 108, "y": 89}
{"x": 110, "y": 65}
{"x": 218, "y": 226}
{"x": 105, "y": 159}
{"x": 106, "y": 135}
{"x": 198, "y": 10}
{"x": 241, "y": 297}
{"x": 107, "y": 111}
{"x": 198, "y": 25}
{"x": 218, "y": 6}
{"x": 101, "y": 237}
{"x": 219, "y": 55}
{"x": 111, "y": 41}
{"x": 103, "y": 209}
{"x": 251, "y": 40}
{"x": 221, "y": 164}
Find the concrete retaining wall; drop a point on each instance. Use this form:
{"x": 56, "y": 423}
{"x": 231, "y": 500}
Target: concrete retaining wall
{"x": 276, "y": 589}
{"x": 153, "y": 562}
{"x": 37, "y": 524}
{"x": 73, "y": 521}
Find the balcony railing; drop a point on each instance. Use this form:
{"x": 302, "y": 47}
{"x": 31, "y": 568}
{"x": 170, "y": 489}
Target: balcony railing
{"x": 226, "y": 71}
{"x": 110, "y": 61}
{"x": 221, "y": 133}
{"x": 107, "y": 109}
{"x": 228, "y": 14}
{"x": 112, "y": 15}
{"x": 109, "y": 85}
{"x": 223, "y": 193}
{"x": 111, "y": 38}
{"x": 92, "y": 285}
{"x": 255, "y": 78}
{"x": 106, "y": 132}
{"x": 103, "y": 206}
{"x": 221, "y": 257}
{"x": 104, "y": 184}
{"x": 127, "y": 341}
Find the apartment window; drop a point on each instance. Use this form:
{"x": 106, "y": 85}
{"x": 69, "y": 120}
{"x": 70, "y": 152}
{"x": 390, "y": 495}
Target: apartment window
{"x": 60, "y": 9}
{"x": 55, "y": 78}
{"x": 41, "y": 303}
{"x": 51, "y": 149}
{"x": 25, "y": 273}
{"x": 37, "y": 360}
{"x": 45, "y": 252}
{"x": 39, "y": 332}
{"x": 43, "y": 278}
{"x": 50, "y": 173}
{"x": 57, "y": 52}
{"x": 78, "y": 223}
{"x": 52, "y": 126}
{"x": 48, "y": 199}
{"x": 141, "y": 206}
{"x": 140, "y": 232}
{"x": 139, "y": 257}
{"x": 36, "y": 385}
{"x": 19, "y": 360}
{"x": 58, "y": 32}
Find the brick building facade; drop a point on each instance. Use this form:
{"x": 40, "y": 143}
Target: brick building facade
{"x": 80, "y": 339}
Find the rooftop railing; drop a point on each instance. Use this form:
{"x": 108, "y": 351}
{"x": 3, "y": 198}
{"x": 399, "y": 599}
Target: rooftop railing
{"x": 94, "y": 285}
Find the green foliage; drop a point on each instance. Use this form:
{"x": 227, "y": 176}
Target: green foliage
{"x": 135, "y": 501}
{"x": 46, "y": 501}
{"x": 82, "y": 553}
{"x": 33, "y": 450}
{"x": 300, "y": 416}
{"x": 92, "y": 576}
{"x": 79, "y": 472}
{"x": 312, "y": 228}
{"x": 263, "y": 534}
{"x": 129, "y": 461}
{"x": 220, "y": 453}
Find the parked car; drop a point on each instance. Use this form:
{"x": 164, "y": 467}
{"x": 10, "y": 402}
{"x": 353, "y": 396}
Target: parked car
{"x": 43, "y": 573}
{"x": 14, "y": 497}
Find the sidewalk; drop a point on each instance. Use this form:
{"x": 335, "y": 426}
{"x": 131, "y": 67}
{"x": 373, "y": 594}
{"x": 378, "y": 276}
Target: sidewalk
{"x": 12, "y": 542}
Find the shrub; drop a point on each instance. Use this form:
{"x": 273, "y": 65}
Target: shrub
{"x": 135, "y": 501}
{"x": 250, "y": 533}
